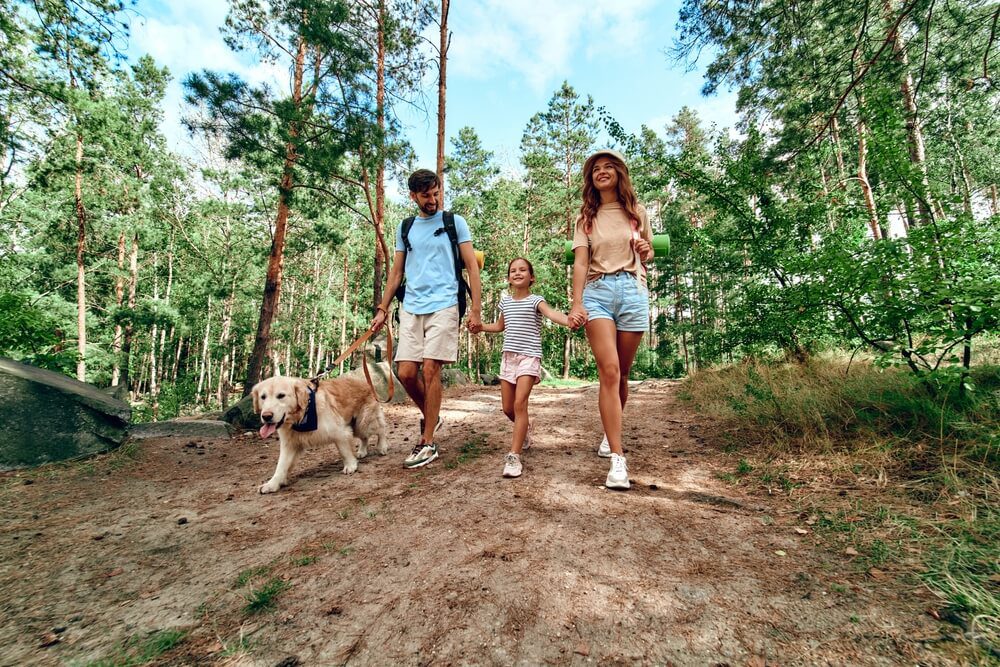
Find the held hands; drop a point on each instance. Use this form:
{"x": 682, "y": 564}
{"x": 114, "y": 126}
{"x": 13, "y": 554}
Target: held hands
{"x": 577, "y": 317}
{"x": 474, "y": 322}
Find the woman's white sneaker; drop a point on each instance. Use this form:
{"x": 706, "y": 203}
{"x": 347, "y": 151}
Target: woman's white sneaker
{"x": 618, "y": 475}
{"x": 604, "y": 449}
{"x": 512, "y": 465}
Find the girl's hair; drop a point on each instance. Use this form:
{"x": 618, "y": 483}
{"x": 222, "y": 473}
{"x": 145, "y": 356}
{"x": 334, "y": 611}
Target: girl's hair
{"x": 592, "y": 198}
{"x": 531, "y": 269}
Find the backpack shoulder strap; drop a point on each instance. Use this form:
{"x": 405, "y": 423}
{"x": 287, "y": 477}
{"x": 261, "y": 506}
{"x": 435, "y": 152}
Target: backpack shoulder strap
{"x": 405, "y": 232}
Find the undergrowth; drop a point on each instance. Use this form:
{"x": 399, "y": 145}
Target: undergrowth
{"x": 865, "y": 426}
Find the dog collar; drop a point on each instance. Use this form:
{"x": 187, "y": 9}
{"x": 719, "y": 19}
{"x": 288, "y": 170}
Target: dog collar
{"x": 309, "y": 422}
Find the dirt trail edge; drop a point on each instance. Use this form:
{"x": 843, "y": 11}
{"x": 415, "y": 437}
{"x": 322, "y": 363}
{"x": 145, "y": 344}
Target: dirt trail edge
{"x": 448, "y": 564}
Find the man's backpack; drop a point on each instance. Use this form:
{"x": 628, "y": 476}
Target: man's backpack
{"x": 449, "y": 228}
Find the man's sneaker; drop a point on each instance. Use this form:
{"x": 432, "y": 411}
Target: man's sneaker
{"x": 604, "y": 449}
{"x": 422, "y": 454}
{"x": 437, "y": 427}
{"x": 618, "y": 475}
{"x": 512, "y": 465}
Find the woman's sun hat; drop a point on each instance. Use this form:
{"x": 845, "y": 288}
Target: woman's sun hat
{"x": 609, "y": 151}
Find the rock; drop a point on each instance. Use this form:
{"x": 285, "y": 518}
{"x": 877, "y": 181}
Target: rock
{"x": 184, "y": 428}
{"x": 241, "y": 414}
{"x": 50, "y": 417}
{"x": 451, "y": 377}
{"x": 380, "y": 373}
{"x": 489, "y": 379}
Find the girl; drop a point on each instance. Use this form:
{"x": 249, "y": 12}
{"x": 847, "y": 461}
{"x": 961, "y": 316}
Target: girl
{"x": 520, "y": 367}
{"x": 612, "y": 244}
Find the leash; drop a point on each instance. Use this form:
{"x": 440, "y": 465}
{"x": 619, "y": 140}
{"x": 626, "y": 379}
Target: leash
{"x": 364, "y": 361}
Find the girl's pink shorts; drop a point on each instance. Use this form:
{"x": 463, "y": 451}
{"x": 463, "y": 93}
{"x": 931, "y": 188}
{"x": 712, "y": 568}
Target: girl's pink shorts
{"x": 513, "y": 365}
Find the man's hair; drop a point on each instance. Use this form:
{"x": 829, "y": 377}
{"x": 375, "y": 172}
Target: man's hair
{"x": 423, "y": 180}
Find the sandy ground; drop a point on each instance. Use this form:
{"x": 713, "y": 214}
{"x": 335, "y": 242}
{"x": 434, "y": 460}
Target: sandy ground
{"x": 448, "y": 564}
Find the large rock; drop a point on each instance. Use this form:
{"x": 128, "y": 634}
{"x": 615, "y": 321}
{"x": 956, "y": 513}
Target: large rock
{"x": 380, "y": 374}
{"x": 451, "y": 377}
{"x": 50, "y": 417}
{"x": 241, "y": 415}
{"x": 184, "y": 428}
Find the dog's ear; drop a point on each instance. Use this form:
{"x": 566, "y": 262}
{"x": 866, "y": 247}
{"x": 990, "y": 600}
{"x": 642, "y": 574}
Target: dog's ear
{"x": 256, "y": 398}
{"x": 302, "y": 395}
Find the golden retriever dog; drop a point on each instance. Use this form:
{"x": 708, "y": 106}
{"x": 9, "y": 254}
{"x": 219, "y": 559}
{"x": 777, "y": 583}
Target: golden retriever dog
{"x": 339, "y": 411}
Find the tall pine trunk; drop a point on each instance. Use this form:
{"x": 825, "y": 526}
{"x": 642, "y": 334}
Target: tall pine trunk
{"x": 442, "y": 84}
{"x": 116, "y": 345}
{"x": 81, "y": 244}
{"x": 275, "y": 262}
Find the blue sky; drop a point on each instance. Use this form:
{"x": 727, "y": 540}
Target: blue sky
{"x": 507, "y": 59}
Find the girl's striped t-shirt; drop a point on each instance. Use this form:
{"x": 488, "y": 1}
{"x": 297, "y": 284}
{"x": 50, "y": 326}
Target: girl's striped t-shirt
{"x": 522, "y": 325}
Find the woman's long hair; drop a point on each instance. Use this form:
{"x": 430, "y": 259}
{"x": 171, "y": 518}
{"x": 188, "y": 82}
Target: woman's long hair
{"x": 592, "y": 198}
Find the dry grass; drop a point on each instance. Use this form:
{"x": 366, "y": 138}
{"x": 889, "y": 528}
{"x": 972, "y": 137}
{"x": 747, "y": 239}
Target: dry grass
{"x": 921, "y": 469}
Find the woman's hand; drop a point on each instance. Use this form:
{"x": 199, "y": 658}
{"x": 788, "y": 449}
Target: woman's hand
{"x": 577, "y": 316}
{"x": 643, "y": 248}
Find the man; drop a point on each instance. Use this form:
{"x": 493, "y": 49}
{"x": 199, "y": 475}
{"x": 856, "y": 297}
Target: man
{"x": 428, "y": 316}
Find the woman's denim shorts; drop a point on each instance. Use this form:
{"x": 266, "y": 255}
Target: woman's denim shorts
{"x": 619, "y": 297}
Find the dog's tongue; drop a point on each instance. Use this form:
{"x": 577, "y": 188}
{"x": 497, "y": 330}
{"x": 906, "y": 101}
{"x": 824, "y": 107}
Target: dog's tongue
{"x": 267, "y": 429}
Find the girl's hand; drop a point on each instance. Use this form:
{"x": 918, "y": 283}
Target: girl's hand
{"x": 577, "y": 316}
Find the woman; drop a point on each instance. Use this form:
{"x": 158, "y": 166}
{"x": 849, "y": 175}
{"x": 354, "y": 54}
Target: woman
{"x": 611, "y": 245}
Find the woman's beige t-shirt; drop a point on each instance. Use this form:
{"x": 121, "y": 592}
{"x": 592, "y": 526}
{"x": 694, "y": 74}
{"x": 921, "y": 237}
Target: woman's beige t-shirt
{"x": 610, "y": 241}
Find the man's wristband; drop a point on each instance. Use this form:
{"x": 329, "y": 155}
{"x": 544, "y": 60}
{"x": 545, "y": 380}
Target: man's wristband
{"x": 383, "y": 309}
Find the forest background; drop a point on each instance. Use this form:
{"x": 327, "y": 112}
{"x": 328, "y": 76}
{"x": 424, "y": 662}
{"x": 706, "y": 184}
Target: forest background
{"x": 834, "y": 269}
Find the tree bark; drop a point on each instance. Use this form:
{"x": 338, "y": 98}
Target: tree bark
{"x": 133, "y": 282}
{"x": 81, "y": 282}
{"x": 272, "y": 282}
{"x": 442, "y": 83}
{"x": 116, "y": 345}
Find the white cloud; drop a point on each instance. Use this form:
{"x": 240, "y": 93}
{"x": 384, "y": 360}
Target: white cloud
{"x": 537, "y": 39}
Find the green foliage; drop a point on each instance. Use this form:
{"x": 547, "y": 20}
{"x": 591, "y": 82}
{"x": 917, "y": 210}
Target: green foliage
{"x": 31, "y": 334}
{"x": 264, "y": 598}
{"x": 142, "y": 651}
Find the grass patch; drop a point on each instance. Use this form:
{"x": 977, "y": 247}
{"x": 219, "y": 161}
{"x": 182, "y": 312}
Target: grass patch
{"x": 138, "y": 651}
{"x": 245, "y": 576}
{"x": 559, "y": 383}
{"x": 302, "y": 561}
{"x": 901, "y": 473}
{"x": 263, "y": 598}
{"x": 470, "y": 451}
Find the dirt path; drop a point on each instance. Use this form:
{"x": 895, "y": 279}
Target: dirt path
{"x": 450, "y": 564}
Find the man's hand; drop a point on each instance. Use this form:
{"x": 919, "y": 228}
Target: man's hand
{"x": 381, "y": 315}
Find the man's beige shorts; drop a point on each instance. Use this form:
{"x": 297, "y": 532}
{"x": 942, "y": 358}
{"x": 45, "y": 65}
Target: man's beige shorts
{"x": 431, "y": 336}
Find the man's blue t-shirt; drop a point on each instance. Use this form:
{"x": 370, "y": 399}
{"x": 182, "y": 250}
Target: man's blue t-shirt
{"x": 431, "y": 284}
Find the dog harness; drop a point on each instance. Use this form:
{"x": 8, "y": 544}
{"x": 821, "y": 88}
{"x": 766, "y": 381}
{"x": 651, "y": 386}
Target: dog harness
{"x": 310, "y": 422}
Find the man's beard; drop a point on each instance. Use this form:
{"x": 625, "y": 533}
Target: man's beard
{"x": 429, "y": 209}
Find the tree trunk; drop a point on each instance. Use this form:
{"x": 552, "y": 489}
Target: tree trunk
{"x": 203, "y": 366}
{"x": 153, "y": 386}
{"x": 914, "y": 134}
{"x": 133, "y": 282}
{"x": 116, "y": 345}
{"x": 272, "y": 282}
{"x": 222, "y": 390}
{"x": 81, "y": 283}
{"x": 343, "y": 313}
{"x": 381, "y": 251}
{"x": 442, "y": 81}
